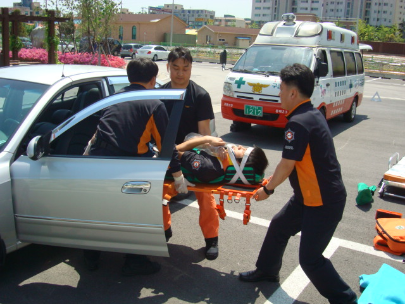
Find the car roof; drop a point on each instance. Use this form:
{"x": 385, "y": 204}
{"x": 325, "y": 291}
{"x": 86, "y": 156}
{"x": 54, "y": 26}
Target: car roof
{"x": 50, "y": 73}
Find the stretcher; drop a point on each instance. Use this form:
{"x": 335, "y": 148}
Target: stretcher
{"x": 229, "y": 192}
{"x": 394, "y": 177}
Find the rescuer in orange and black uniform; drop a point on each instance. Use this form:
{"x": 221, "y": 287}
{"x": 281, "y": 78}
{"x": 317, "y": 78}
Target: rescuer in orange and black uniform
{"x": 309, "y": 160}
{"x": 126, "y": 129}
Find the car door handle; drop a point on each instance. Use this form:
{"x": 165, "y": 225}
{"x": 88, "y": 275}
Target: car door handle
{"x": 136, "y": 187}
{"x": 328, "y": 84}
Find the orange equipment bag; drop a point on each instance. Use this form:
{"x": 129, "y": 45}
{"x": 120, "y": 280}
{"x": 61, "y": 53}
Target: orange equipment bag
{"x": 391, "y": 235}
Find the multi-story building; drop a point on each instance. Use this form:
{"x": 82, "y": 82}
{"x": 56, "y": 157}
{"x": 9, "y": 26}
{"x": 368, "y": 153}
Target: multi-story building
{"x": 374, "y": 12}
{"x": 195, "y": 18}
{"x": 27, "y": 8}
{"x": 230, "y": 21}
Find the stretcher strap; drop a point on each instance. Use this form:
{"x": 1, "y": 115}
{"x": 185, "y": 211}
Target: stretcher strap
{"x": 220, "y": 207}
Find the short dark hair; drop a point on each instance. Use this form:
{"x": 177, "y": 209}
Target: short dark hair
{"x": 257, "y": 160}
{"x": 180, "y": 52}
{"x": 141, "y": 70}
{"x": 300, "y": 76}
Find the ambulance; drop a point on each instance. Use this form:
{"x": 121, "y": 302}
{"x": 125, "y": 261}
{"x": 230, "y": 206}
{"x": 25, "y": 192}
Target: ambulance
{"x": 251, "y": 89}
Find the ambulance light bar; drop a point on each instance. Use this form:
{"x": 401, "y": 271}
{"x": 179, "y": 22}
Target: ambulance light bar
{"x": 289, "y": 18}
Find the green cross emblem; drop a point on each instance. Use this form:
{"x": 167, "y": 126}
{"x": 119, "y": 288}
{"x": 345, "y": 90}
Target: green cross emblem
{"x": 240, "y": 82}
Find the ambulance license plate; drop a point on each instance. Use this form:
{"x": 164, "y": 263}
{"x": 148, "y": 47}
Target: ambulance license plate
{"x": 254, "y": 110}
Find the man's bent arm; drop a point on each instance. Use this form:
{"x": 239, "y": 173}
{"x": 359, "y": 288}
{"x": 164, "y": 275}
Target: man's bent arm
{"x": 200, "y": 140}
{"x": 204, "y": 127}
{"x": 283, "y": 170}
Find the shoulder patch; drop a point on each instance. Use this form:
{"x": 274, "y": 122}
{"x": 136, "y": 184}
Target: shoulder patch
{"x": 196, "y": 164}
{"x": 289, "y": 135}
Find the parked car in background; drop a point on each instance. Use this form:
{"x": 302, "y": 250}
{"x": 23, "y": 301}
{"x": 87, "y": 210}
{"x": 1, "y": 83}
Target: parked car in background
{"x": 65, "y": 47}
{"x": 27, "y": 44}
{"x": 129, "y": 50}
{"x": 154, "y": 52}
{"x": 110, "y": 46}
{"x": 48, "y": 113}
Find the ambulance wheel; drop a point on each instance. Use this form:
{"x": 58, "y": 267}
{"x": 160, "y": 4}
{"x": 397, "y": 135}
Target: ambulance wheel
{"x": 238, "y": 126}
{"x": 381, "y": 193}
{"x": 323, "y": 111}
{"x": 351, "y": 114}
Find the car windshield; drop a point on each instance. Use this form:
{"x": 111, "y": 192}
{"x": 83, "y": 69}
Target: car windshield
{"x": 146, "y": 47}
{"x": 127, "y": 46}
{"x": 270, "y": 59}
{"x": 17, "y": 98}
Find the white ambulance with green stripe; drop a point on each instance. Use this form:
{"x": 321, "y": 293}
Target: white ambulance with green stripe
{"x": 251, "y": 89}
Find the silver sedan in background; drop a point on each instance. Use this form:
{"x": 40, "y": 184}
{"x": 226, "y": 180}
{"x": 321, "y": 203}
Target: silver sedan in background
{"x": 154, "y": 52}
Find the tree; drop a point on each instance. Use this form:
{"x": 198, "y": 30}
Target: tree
{"x": 254, "y": 25}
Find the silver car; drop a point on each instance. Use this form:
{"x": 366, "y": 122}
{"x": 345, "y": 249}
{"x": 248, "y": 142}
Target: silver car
{"x": 129, "y": 50}
{"x": 50, "y": 193}
{"x": 154, "y": 52}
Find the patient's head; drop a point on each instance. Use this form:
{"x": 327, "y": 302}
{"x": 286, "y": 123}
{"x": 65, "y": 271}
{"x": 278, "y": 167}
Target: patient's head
{"x": 257, "y": 158}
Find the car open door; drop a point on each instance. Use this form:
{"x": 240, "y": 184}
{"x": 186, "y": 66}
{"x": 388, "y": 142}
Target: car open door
{"x": 94, "y": 202}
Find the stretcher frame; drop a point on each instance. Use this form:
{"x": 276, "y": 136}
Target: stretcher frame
{"x": 394, "y": 177}
{"x": 230, "y": 192}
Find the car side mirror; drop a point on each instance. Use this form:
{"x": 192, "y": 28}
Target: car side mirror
{"x": 38, "y": 146}
{"x": 321, "y": 69}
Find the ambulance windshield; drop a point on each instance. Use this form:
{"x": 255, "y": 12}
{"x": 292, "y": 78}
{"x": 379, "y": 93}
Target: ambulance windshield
{"x": 270, "y": 59}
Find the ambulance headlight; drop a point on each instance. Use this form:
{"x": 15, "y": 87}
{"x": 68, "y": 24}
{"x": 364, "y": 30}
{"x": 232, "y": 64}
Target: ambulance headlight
{"x": 228, "y": 89}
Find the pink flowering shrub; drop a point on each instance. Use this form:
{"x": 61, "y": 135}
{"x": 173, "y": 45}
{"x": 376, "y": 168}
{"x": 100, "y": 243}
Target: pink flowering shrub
{"x": 88, "y": 58}
{"x": 41, "y": 55}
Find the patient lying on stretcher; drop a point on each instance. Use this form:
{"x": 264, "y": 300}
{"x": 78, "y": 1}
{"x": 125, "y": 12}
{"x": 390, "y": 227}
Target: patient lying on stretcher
{"x": 208, "y": 159}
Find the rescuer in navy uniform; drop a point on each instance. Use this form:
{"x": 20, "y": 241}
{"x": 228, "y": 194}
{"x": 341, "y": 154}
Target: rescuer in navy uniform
{"x": 309, "y": 161}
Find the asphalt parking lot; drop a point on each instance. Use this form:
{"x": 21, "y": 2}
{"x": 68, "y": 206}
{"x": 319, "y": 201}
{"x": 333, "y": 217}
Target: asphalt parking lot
{"x": 44, "y": 274}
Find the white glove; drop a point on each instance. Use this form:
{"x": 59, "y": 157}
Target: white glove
{"x": 180, "y": 183}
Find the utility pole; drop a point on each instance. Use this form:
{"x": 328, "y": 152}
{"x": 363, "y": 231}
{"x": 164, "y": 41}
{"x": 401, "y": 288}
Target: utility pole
{"x": 171, "y": 26}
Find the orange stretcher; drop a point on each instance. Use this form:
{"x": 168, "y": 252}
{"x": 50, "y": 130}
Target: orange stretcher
{"x": 394, "y": 177}
{"x": 230, "y": 192}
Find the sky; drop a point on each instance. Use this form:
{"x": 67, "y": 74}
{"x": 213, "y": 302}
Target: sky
{"x": 238, "y": 8}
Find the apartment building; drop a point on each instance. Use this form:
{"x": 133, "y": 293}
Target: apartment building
{"x": 374, "y": 12}
{"x": 195, "y": 18}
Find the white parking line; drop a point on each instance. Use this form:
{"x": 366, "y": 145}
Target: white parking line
{"x": 296, "y": 282}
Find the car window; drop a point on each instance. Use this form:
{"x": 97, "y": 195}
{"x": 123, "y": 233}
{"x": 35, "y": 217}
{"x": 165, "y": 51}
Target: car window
{"x": 72, "y": 136}
{"x": 117, "y": 83}
{"x": 17, "y": 98}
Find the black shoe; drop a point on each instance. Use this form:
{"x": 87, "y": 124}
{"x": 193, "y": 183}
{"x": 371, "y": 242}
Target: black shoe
{"x": 168, "y": 234}
{"x": 91, "y": 259}
{"x": 211, "y": 248}
{"x": 257, "y": 276}
{"x": 139, "y": 265}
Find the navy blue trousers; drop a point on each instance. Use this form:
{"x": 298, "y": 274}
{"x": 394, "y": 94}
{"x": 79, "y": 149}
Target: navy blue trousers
{"x": 317, "y": 225}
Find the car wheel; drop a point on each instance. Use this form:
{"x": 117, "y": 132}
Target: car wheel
{"x": 351, "y": 114}
{"x": 133, "y": 56}
{"x": 155, "y": 58}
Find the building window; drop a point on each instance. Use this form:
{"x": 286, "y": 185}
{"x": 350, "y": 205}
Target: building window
{"x": 258, "y": 1}
{"x": 134, "y": 32}
{"x": 258, "y": 8}
{"x": 221, "y": 39}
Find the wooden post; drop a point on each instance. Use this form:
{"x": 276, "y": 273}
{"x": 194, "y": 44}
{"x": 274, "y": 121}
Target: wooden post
{"x": 51, "y": 33}
{"x": 14, "y": 31}
{"x": 6, "y": 36}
